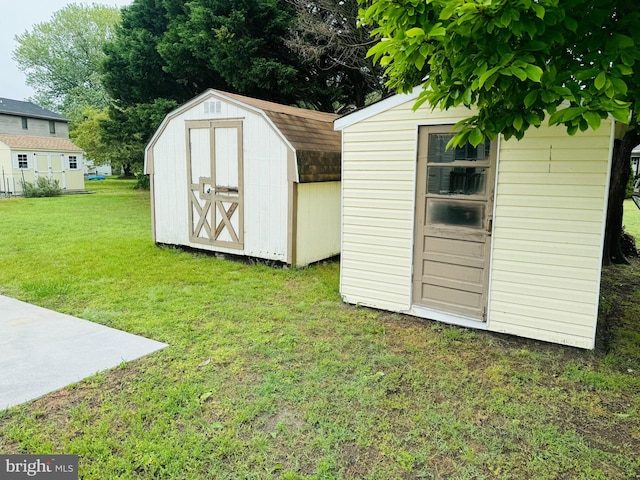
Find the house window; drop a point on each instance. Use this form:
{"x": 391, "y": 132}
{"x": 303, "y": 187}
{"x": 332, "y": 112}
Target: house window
{"x": 25, "y": 123}
{"x": 73, "y": 161}
{"x": 52, "y": 126}
{"x": 23, "y": 160}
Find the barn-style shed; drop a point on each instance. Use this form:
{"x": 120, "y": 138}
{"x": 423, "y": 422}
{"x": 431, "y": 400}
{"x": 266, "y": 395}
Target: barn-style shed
{"x": 239, "y": 175}
{"x": 505, "y": 237}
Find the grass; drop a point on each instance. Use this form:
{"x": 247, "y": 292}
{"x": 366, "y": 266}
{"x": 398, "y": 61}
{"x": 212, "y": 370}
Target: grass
{"x": 270, "y": 376}
{"x": 631, "y": 219}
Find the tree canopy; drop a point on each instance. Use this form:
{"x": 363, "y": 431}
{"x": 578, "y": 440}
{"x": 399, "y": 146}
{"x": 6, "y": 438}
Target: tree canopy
{"x": 175, "y": 49}
{"x": 326, "y": 32}
{"x": 167, "y": 51}
{"x": 61, "y": 58}
{"x": 519, "y": 63}
{"x": 515, "y": 62}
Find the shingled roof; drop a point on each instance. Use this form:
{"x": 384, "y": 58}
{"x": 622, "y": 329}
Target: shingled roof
{"x": 28, "y": 109}
{"x": 32, "y": 142}
{"x": 318, "y": 146}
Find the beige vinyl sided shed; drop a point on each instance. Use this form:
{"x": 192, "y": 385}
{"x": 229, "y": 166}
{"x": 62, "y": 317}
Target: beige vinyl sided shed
{"x": 505, "y": 237}
{"x": 238, "y": 175}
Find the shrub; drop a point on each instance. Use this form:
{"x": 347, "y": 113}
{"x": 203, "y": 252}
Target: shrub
{"x": 43, "y": 187}
{"x": 143, "y": 182}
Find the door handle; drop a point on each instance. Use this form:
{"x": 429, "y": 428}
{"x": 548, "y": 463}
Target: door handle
{"x": 489, "y": 226}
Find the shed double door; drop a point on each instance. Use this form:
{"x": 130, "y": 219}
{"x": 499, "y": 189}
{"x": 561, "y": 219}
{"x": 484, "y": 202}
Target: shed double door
{"x": 454, "y": 208}
{"x": 214, "y": 163}
{"x": 51, "y": 167}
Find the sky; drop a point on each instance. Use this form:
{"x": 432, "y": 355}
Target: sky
{"x": 16, "y": 18}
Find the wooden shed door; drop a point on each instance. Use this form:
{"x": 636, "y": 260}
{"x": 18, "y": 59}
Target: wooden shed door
{"x": 454, "y": 208}
{"x": 214, "y": 162}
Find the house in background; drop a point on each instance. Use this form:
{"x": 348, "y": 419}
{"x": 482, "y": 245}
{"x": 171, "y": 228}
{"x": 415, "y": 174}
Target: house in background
{"x": 243, "y": 176}
{"x": 505, "y": 237}
{"x": 91, "y": 169}
{"x": 34, "y": 142}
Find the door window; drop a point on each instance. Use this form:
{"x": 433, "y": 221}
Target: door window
{"x": 455, "y": 213}
{"x": 457, "y": 180}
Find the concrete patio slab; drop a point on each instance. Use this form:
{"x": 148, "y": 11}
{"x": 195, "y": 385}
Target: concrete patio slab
{"x": 42, "y": 351}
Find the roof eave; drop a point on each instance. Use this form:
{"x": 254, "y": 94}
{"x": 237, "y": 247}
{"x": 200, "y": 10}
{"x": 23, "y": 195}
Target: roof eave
{"x": 376, "y": 108}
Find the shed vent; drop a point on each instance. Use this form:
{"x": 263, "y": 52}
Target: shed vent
{"x": 213, "y": 107}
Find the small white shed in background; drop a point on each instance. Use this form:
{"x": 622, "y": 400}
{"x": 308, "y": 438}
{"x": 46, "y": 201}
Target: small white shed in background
{"x": 243, "y": 176}
{"x": 505, "y": 237}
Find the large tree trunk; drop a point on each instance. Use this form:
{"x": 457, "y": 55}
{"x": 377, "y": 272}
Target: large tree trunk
{"x": 127, "y": 170}
{"x": 620, "y": 170}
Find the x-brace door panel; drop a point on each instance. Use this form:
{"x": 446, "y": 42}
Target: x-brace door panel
{"x": 215, "y": 183}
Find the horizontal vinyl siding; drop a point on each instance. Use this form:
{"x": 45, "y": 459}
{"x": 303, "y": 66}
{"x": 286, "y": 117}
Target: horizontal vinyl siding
{"x": 378, "y": 201}
{"x": 547, "y": 235}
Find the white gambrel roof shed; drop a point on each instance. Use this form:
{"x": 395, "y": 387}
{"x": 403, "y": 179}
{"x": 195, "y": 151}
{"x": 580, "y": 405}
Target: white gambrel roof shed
{"x": 505, "y": 237}
{"x": 243, "y": 176}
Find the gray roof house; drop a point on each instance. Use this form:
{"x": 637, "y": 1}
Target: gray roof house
{"x": 34, "y": 142}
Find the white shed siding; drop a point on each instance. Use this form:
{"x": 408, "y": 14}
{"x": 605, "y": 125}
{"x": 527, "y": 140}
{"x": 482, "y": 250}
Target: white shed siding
{"x": 170, "y": 186}
{"x": 548, "y": 224}
{"x": 265, "y": 182}
{"x": 318, "y": 221}
{"x": 378, "y": 178}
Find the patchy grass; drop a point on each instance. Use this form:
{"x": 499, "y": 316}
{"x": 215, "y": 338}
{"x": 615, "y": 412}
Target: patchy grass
{"x": 269, "y": 375}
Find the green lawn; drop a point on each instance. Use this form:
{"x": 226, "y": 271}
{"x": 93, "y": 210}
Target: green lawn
{"x": 631, "y": 219}
{"x": 269, "y": 375}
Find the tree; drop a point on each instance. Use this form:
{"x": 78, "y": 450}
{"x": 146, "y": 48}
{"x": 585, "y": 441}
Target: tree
{"x": 175, "y": 49}
{"x": 88, "y": 134}
{"x": 326, "y": 33}
{"x": 133, "y": 71}
{"x": 61, "y": 57}
{"x": 131, "y": 129}
{"x": 167, "y": 51}
{"x": 572, "y": 61}
{"x": 243, "y": 43}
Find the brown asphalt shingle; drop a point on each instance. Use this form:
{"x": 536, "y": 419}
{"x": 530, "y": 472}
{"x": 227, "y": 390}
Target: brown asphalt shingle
{"x": 32, "y": 142}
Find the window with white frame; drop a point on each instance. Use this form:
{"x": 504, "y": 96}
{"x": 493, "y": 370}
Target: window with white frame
{"x": 23, "y": 160}
{"x": 52, "y": 127}
{"x": 73, "y": 161}
{"x": 25, "y": 123}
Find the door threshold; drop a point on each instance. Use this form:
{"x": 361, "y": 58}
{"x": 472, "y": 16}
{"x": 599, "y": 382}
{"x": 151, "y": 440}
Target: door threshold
{"x": 450, "y": 318}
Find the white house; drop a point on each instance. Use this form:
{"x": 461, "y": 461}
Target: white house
{"x": 34, "y": 142}
{"x": 243, "y": 176}
{"x": 505, "y": 237}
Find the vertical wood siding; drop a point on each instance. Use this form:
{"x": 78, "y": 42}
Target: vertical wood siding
{"x": 547, "y": 235}
{"x": 265, "y": 183}
{"x": 318, "y": 222}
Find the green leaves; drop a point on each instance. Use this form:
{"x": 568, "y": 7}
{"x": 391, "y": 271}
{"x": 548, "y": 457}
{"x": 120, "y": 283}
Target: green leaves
{"x": 415, "y": 32}
{"x": 533, "y": 72}
{"x": 476, "y": 137}
{"x": 566, "y": 115}
{"x": 61, "y": 58}
{"x": 530, "y": 98}
{"x": 515, "y": 62}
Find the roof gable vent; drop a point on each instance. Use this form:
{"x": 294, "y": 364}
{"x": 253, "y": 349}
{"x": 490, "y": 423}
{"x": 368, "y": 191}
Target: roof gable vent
{"x": 213, "y": 106}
